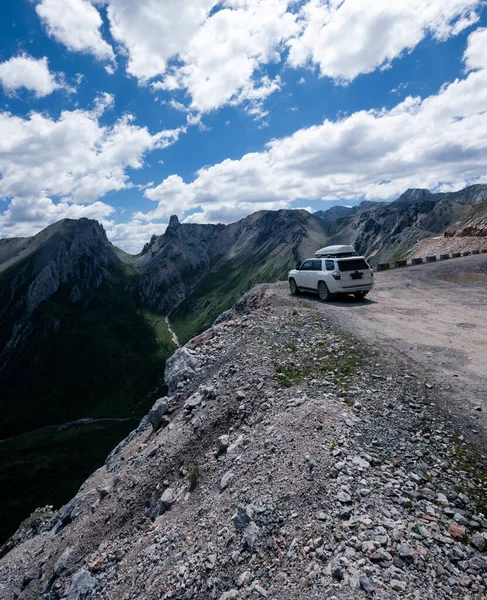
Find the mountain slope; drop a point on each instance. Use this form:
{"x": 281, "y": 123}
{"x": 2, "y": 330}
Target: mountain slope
{"x": 298, "y": 464}
{"x": 339, "y": 212}
{"x": 198, "y": 271}
{"x": 74, "y": 344}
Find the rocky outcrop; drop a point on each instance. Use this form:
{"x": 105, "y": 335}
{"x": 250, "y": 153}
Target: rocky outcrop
{"x": 181, "y": 366}
{"x": 315, "y": 467}
{"x": 82, "y": 257}
{"x": 68, "y": 252}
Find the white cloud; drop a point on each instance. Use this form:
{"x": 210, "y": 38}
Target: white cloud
{"x": 53, "y": 168}
{"x": 221, "y": 61}
{"x": 475, "y": 56}
{"x": 29, "y": 73}
{"x": 345, "y": 38}
{"x": 154, "y": 31}
{"x": 217, "y": 51}
{"x": 132, "y": 236}
{"x": 375, "y": 154}
{"x": 77, "y": 25}
{"x": 72, "y": 156}
{"x": 25, "y": 216}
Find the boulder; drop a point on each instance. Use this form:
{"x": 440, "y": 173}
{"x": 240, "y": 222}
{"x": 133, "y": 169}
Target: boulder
{"x": 180, "y": 366}
{"x": 82, "y": 586}
{"x": 157, "y": 412}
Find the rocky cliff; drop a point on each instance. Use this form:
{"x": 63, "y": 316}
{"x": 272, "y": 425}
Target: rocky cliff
{"x": 388, "y": 231}
{"x": 83, "y": 338}
{"x": 289, "y": 462}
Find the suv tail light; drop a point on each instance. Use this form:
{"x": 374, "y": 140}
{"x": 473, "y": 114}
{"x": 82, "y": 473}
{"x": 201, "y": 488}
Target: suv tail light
{"x": 336, "y": 275}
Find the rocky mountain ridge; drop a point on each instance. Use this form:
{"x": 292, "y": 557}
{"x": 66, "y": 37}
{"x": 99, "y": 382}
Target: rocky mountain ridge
{"x": 389, "y": 231}
{"x": 194, "y": 272}
{"x": 173, "y": 263}
{"x": 290, "y": 462}
{"x": 339, "y": 212}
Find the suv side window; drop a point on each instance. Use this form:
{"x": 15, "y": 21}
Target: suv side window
{"x": 307, "y": 265}
{"x": 330, "y": 265}
{"x": 317, "y": 265}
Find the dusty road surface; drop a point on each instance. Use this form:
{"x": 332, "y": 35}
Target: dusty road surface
{"x": 435, "y": 315}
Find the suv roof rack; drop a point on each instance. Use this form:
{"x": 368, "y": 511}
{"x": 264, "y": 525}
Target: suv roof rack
{"x": 336, "y": 252}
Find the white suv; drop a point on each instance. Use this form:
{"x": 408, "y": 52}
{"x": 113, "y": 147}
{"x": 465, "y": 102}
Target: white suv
{"x": 334, "y": 270}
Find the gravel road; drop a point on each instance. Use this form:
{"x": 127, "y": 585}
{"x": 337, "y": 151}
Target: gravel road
{"x": 435, "y": 315}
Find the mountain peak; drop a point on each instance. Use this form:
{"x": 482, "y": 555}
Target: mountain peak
{"x": 414, "y": 195}
{"x": 173, "y": 222}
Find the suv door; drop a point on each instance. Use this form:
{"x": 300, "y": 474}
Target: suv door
{"x": 331, "y": 281}
{"x": 303, "y": 276}
{"x": 315, "y": 274}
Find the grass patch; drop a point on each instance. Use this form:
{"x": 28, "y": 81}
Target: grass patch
{"x": 164, "y": 342}
{"x": 341, "y": 367}
{"x": 477, "y": 211}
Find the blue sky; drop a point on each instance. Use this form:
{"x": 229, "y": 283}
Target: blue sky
{"x": 131, "y": 110}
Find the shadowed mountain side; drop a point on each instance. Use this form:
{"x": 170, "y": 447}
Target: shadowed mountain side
{"x": 73, "y": 344}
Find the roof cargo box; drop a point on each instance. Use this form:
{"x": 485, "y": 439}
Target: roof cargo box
{"x": 336, "y": 252}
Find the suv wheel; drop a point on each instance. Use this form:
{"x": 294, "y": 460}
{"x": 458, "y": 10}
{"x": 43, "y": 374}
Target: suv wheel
{"x": 293, "y": 287}
{"x": 323, "y": 292}
{"x": 360, "y": 295}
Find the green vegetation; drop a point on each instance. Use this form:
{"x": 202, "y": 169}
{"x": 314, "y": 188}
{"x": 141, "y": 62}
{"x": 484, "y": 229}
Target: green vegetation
{"x": 103, "y": 358}
{"x": 107, "y": 358}
{"x": 48, "y": 466}
{"x": 165, "y": 344}
{"x": 477, "y": 211}
{"x": 217, "y": 292}
{"x": 315, "y": 363}
{"x": 194, "y": 476}
{"x": 399, "y": 254}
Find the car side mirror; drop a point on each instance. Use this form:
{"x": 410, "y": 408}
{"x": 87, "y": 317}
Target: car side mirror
{"x": 298, "y": 266}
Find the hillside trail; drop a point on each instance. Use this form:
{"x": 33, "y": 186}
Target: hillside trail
{"x": 435, "y": 316}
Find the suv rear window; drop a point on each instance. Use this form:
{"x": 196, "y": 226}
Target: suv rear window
{"x": 357, "y": 264}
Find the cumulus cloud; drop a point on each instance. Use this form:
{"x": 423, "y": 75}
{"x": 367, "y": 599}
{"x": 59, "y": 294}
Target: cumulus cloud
{"x": 132, "y": 236}
{"x": 49, "y": 166}
{"x": 475, "y": 56}
{"x": 217, "y": 51}
{"x": 25, "y": 216}
{"x": 76, "y": 24}
{"x": 29, "y": 73}
{"x": 373, "y": 154}
{"x": 345, "y": 38}
{"x": 221, "y": 61}
{"x": 153, "y": 32}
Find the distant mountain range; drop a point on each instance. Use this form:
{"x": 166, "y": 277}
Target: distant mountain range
{"x": 389, "y": 231}
{"x": 83, "y": 331}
